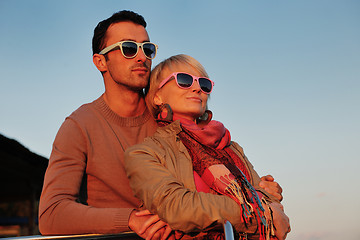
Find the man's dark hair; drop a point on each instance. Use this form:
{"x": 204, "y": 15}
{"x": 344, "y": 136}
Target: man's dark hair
{"x": 102, "y": 27}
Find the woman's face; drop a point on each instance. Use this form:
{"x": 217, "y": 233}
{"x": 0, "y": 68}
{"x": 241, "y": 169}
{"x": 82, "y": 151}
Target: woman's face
{"x": 186, "y": 103}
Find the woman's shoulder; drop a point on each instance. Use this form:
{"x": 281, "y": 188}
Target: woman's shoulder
{"x": 169, "y": 130}
{"x": 236, "y": 146}
{"x": 164, "y": 137}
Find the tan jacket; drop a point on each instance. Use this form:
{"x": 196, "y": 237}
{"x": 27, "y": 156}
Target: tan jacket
{"x": 161, "y": 175}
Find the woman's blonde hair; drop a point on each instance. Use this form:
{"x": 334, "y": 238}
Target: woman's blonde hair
{"x": 156, "y": 76}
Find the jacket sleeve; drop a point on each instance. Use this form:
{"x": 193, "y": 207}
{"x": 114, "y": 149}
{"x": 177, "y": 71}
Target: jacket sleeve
{"x": 255, "y": 179}
{"x": 164, "y": 193}
{"x": 59, "y": 209}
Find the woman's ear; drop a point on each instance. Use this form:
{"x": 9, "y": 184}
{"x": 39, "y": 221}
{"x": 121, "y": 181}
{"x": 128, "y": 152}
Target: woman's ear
{"x": 100, "y": 62}
{"x": 157, "y": 99}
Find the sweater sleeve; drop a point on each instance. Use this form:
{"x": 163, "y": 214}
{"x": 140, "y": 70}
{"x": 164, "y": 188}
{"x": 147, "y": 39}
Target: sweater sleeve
{"x": 164, "y": 193}
{"x": 60, "y": 211}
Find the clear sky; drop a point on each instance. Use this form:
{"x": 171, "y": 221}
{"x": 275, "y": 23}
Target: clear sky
{"x": 286, "y": 78}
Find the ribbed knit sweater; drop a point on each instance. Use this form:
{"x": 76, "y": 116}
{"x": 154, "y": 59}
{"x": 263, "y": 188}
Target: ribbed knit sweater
{"x": 87, "y": 157}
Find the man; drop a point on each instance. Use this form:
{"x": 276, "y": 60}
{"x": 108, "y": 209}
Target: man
{"x": 86, "y": 189}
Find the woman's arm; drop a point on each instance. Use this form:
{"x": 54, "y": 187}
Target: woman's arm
{"x": 255, "y": 178}
{"x": 163, "y": 179}
{"x": 281, "y": 221}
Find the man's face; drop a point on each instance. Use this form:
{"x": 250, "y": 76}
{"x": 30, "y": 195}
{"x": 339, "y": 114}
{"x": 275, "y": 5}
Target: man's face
{"x": 132, "y": 73}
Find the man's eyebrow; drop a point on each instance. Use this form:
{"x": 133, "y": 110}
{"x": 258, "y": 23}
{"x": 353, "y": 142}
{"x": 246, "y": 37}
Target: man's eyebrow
{"x": 130, "y": 39}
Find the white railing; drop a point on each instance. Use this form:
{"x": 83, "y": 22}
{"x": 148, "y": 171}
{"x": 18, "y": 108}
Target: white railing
{"x": 228, "y": 230}
{"x": 126, "y": 235}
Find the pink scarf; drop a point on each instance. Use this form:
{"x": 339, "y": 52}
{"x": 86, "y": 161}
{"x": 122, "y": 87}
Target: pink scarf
{"x": 218, "y": 169}
{"x": 214, "y": 134}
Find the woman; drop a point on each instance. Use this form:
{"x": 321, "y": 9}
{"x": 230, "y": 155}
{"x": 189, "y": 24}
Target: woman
{"x": 189, "y": 172}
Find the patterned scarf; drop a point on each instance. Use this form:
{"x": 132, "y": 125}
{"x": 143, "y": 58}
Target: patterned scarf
{"x": 219, "y": 170}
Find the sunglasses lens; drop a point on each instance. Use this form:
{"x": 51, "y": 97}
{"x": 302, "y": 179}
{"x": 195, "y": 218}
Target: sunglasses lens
{"x": 184, "y": 80}
{"x": 129, "y": 49}
{"x": 149, "y": 50}
{"x": 205, "y": 85}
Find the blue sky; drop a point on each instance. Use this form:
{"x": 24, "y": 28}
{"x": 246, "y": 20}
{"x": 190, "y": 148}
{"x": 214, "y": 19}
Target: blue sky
{"x": 286, "y": 86}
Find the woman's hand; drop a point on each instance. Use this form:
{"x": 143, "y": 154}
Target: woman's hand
{"x": 267, "y": 182}
{"x": 281, "y": 221}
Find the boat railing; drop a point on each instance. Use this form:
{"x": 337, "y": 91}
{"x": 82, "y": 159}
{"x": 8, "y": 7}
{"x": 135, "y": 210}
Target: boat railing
{"x": 122, "y": 236}
{"x": 228, "y": 230}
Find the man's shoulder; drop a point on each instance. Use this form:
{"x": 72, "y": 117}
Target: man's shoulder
{"x": 84, "y": 111}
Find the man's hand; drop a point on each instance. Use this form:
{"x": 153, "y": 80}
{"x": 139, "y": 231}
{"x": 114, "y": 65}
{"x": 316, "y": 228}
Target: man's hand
{"x": 148, "y": 226}
{"x": 281, "y": 221}
{"x": 272, "y": 187}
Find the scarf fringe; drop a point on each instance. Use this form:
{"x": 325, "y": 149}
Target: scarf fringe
{"x": 234, "y": 191}
{"x": 238, "y": 188}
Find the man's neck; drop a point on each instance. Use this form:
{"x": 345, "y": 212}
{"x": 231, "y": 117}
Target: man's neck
{"x": 125, "y": 103}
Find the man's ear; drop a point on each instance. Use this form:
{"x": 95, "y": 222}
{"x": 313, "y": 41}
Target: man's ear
{"x": 100, "y": 62}
{"x": 157, "y": 99}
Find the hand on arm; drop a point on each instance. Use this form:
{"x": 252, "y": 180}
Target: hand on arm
{"x": 280, "y": 220}
{"x": 150, "y": 226}
{"x": 268, "y": 183}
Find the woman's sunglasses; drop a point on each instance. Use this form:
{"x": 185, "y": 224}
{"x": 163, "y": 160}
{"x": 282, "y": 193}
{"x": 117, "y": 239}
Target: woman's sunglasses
{"x": 129, "y": 49}
{"x": 185, "y": 81}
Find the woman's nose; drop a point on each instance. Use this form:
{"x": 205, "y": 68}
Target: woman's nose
{"x": 196, "y": 86}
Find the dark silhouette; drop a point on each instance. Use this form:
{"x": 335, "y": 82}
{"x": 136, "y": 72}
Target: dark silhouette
{"x": 21, "y": 179}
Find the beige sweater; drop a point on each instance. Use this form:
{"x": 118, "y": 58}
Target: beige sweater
{"x": 87, "y": 157}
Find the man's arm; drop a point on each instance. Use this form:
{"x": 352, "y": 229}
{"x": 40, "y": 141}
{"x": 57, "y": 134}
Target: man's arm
{"x": 59, "y": 210}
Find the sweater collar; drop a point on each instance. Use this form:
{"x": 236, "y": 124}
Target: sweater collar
{"x": 119, "y": 120}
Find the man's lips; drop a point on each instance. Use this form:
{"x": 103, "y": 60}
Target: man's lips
{"x": 140, "y": 69}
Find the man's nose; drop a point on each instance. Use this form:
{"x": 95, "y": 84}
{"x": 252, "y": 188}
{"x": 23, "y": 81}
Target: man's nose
{"x": 140, "y": 57}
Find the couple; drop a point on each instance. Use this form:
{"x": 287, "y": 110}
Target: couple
{"x": 86, "y": 189}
